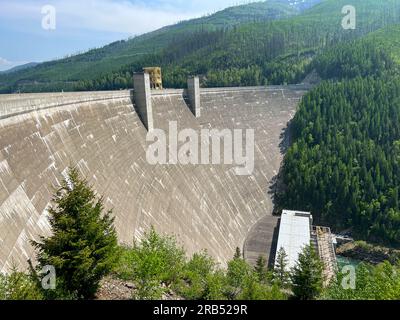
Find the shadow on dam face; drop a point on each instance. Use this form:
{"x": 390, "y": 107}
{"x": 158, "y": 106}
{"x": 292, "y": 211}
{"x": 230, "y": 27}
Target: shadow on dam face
{"x": 205, "y": 206}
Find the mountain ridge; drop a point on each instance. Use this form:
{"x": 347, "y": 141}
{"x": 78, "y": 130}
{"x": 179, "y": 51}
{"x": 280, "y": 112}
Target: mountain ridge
{"x": 279, "y": 50}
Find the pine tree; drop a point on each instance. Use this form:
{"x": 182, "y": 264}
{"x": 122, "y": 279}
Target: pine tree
{"x": 307, "y": 278}
{"x": 281, "y": 275}
{"x": 83, "y": 244}
{"x": 261, "y": 268}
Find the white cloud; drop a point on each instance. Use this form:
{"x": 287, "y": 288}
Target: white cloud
{"x": 128, "y": 17}
{"x": 105, "y": 15}
{"x": 121, "y": 17}
{"x": 102, "y": 20}
{"x": 6, "y": 64}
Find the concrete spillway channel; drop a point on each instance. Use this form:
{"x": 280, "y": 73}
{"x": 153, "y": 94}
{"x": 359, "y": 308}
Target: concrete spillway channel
{"x": 205, "y": 206}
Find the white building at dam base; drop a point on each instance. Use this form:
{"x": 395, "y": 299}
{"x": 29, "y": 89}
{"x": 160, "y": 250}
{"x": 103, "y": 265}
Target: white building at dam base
{"x": 296, "y": 231}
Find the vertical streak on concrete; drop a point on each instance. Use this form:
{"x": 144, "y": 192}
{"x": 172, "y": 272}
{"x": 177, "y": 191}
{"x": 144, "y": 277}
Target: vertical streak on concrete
{"x": 194, "y": 95}
{"x": 142, "y": 97}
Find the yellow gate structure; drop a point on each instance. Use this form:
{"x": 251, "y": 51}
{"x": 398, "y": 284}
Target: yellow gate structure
{"x": 155, "y": 77}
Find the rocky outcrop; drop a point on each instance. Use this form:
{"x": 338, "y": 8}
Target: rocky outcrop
{"x": 369, "y": 253}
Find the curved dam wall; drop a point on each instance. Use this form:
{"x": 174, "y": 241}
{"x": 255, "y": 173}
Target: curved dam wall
{"x": 205, "y": 206}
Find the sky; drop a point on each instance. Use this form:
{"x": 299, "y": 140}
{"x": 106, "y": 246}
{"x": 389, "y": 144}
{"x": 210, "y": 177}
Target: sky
{"x": 30, "y": 32}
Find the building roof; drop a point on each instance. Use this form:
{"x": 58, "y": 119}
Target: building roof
{"x": 294, "y": 234}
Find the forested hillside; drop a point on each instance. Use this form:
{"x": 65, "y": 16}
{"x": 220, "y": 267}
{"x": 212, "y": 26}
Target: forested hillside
{"x": 344, "y": 164}
{"x": 376, "y": 54}
{"x": 260, "y": 53}
{"x": 270, "y": 42}
{"x": 97, "y": 63}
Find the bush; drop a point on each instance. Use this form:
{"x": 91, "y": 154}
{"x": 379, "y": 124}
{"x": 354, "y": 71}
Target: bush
{"x": 381, "y": 282}
{"x": 196, "y": 275}
{"x": 19, "y": 286}
{"x": 152, "y": 263}
{"x": 237, "y": 273}
{"x": 253, "y": 289}
{"x": 215, "y": 288}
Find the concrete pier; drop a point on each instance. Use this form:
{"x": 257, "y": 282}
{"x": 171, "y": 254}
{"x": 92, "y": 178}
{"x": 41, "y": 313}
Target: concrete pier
{"x": 142, "y": 99}
{"x": 194, "y": 96}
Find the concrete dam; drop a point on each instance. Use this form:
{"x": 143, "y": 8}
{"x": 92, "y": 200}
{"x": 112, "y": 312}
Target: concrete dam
{"x": 204, "y": 206}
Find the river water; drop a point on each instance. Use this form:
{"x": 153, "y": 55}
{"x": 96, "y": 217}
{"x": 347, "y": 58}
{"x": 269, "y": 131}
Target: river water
{"x": 344, "y": 261}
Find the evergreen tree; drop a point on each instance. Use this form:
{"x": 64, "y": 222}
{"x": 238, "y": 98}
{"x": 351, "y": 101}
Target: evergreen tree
{"x": 307, "y": 278}
{"x": 261, "y": 268}
{"x": 83, "y": 244}
{"x": 281, "y": 275}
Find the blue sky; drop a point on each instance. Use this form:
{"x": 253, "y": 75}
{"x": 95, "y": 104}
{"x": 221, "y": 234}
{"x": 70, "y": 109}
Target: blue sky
{"x": 85, "y": 24}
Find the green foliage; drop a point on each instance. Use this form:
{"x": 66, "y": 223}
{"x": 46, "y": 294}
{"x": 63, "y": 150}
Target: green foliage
{"x": 381, "y": 282}
{"x": 197, "y": 274}
{"x": 19, "y": 286}
{"x": 261, "y": 269}
{"x": 307, "y": 278}
{"x": 215, "y": 288}
{"x": 157, "y": 266}
{"x": 253, "y": 289}
{"x": 281, "y": 276}
{"x": 237, "y": 275}
{"x": 355, "y": 59}
{"x": 343, "y": 164}
{"x": 153, "y": 264}
{"x": 83, "y": 245}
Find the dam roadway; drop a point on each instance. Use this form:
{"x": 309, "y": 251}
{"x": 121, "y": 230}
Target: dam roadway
{"x": 205, "y": 206}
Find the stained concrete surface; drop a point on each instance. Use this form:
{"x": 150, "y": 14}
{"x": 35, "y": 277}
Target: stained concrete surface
{"x": 205, "y": 206}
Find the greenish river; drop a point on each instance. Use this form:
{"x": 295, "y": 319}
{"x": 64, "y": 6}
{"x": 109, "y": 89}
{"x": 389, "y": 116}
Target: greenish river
{"x": 344, "y": 261}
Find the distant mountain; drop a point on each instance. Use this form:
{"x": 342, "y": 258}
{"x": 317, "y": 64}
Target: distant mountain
{"x": 20, "y": 67}
{"x": 98, "y": 62}
{"x": 257, "y": 43}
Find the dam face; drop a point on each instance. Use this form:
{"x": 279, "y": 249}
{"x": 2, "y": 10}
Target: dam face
{"x": 205, "y": 206}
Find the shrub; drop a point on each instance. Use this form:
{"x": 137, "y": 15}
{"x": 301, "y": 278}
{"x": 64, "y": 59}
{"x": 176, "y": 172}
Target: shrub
{"x": 152, "y": 263}
{"x": 196, "y": 272}
{"x": 19, "y": 286}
